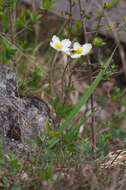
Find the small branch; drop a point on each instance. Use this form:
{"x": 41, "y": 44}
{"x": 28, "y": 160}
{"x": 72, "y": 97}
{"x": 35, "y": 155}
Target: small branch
{"x": 62, "y": 81}
{"x": 93, "y": 133}
{"x": 64, "y": 93}
{"x": 51, "y": 73}
{"x": 12, "y": 18}
{"x": 117, "y": 40}
{"x": 12, "y": 26}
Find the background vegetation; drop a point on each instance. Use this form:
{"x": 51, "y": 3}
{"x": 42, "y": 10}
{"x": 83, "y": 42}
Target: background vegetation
{"x": 87, "y": 96}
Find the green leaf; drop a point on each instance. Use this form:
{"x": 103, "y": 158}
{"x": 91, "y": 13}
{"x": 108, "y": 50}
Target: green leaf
{"x": 112, "y": 4}
{"x": 10, "y": 3}
{"x": 99, "y": 42}
{"x": 48, "y": 4}
{"x": 35, "y": 17}
{"x": 1, "y": 4}
{"x": 49, "y": 172}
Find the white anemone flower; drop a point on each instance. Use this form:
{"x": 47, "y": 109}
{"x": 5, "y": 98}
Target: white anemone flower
{"x": 60, "y": 45}
{"x": 80, "y": 50}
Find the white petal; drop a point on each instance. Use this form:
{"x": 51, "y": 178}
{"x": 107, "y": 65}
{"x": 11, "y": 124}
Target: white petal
{"x": 74, "y": 56}
{"x": 52, "y": 44}
{"x": 68, "y": 52}
{"x": 66, "y": 49}
{"x": 87, "y": 48}
{"x": 66, "y": 43}
{"x": 55, "y": 39}
{"x": 76, "y": 45}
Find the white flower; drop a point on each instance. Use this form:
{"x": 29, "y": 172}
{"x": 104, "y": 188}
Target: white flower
{"x": 80, "y": 50}
{"x": 77, "y": 51}
{"x": 61, "y": 45}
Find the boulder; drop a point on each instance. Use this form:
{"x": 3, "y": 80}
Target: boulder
{"x": 33, "y": 3}
{"x": 116, "y": 16}
{"x": 21, "y": 118}
{"x": 8, "y": 86}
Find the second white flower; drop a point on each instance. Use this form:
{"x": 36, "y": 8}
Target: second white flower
{"x": 80, "y": 50}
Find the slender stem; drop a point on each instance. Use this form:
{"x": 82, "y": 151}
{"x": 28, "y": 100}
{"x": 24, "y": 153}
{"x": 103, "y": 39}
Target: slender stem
{"x": 12, "y": 18}
{"x": 93, "y": 132}
{"x": 70, "y": 16}
{"x": 64, "y": 91}
{"x": 62, "y": 81}
{"x": 51, "y": 73}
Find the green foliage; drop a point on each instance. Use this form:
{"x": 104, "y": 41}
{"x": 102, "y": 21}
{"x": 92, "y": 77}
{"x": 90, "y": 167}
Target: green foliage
{"x": 8, "y": 50}
{"x": 2, "y": 161}
{"x": 9, "y": 4}
{"x": 110, "y": 71}
{"x": 56, "y": 150}
{"x": 5, "y": 23}
{"x": 48, "y": 4}
{"x": 49, "y": 172}
{"x": 1, "y": 6}
{"x": 13, "y": 163}
{"x": 36, "y": 76}
{"x": 112, "y": 4}
{"x": 65, "y": 145}
{"x": 107, "y": 140}
{"x": 87, "y": 94}
{"x": 23, "y": 20}
{"x": 5, "y": 182}
{"x": 35, "y": 17}
{"x": 117, "y": 94}
{"x": 62, "y": 110}
{"x": 99, "y": 42}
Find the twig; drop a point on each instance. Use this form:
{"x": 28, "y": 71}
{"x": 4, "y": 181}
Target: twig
{"x": 118, "y": 154}
{"x": 117, "y": 40}
{"x": 51, "y": 73}
{"x": 64, "y": 90}
{"x": 93, "y": 133}
{"x": 62, "y": 81}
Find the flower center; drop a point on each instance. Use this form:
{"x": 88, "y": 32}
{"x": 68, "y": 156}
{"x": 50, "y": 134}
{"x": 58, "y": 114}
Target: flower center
{"x": 59, "y": 46}
{"x": 79, "y": 51}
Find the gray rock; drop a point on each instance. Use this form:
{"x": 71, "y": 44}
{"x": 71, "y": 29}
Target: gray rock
{"x": 35, "y": 3}
{"x": 116, "y": 16}
{"x": 8, "y": 86}
{"x": 21, "y": 119}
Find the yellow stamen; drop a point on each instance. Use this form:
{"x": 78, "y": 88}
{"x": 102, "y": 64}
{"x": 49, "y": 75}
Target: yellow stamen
{"x": 58, "y": 46}
{"x": 79, "y": 51}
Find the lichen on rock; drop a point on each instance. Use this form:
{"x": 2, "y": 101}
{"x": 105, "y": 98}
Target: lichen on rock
{"x": 21, "y": 119}
{"x": 8, "y": 85}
